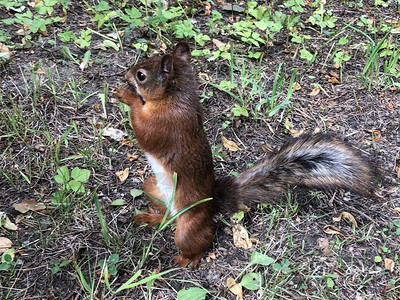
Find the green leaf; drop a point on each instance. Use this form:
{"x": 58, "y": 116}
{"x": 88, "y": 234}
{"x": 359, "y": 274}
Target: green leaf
{"x": 307, "y": 55}
{"x": 261, "y": 259}
{"x": 136, "y": 193}
{"x": 377, "y": 259}
{"x": 112, "y": 269}
{"x": 239, "y": 111}
{"x": 103, "y": 5}
{"x": 193, "y": 293}
{"x": 118, "y": 202}
{"x": 113, "y": 259}
{"x": 134, "y": 13}
{"x": 63, "y": 171}
{"x": 76, "y": 186}
{"x": 330, "y": 283}
{"x": 4, "y": 266}
{"x": 252, "y": 281}
{"x": 238, "y": 216}
{"x": 110, "y": 44}
{"x": 81, "y": 175}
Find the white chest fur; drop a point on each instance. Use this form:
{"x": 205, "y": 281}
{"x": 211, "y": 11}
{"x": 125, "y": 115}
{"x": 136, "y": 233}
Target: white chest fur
{"x": 164, "y": 183}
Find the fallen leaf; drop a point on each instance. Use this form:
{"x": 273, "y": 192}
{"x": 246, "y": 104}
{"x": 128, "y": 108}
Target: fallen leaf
{"x": 315, "y": 91}
{"x": 333, "y": 80}
{"x": 39, "y": 147}
{"x": 207, "y": 8}
{"x": 218, "y": 43}
{"x": 126, "y": 142}
{"x": 205, "y": 76}
{"x": 323, "y": 244}
{"x": 297, "y": 86}
{"x": 5, "y": 244}
{"x": 267, "y": 148}
{"x": 211, "y": 256}
{"x": 334, "y": 74}
{"x": 131, "y": 157}
{"x": 241, "y": 237}
{"x": 336, "y": 66}
{"x": 122, "y": 175}
{"x": 27, "y": 205}
{"x": 396, "y": 210}
{"x": 5, "y": 53}
{"x": 347, "y": 216}
{"x": 295, "y": 132}
{"x": 376, "y": 134}
{"x": 235, "y": 288}
{"x": 41, "y": 71}
{"x": 230, "y": 145}
{"x": 331, "y": 229}
{"x": 6, "y": 222}
{"x": 389, "y": 264}
{"x": 114, "y": 133}
{"x": 96, "y": 106}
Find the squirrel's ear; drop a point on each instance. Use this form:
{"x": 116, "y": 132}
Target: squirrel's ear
{"x": 182, "y": 51}
{"x": 166, "y": 64}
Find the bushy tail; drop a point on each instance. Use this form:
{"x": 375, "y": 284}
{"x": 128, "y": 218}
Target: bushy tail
{"x": 311, "y": 161}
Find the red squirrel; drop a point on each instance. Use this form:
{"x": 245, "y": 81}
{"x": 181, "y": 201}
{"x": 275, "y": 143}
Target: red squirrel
{"x": 167, "y": 120}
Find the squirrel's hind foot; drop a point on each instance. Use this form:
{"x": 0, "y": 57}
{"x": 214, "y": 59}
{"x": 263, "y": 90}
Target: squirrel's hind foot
{"x": 151, "y": 218}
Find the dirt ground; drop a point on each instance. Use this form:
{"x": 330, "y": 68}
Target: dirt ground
{"x": 293, "y": 230}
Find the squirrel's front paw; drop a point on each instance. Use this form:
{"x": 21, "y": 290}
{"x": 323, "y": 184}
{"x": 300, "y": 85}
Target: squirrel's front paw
{"x": 150, "y": 218}
{"x": 183, "y": 261}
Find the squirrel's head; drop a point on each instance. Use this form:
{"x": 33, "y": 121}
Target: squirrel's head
{"x": 158, "y": 78}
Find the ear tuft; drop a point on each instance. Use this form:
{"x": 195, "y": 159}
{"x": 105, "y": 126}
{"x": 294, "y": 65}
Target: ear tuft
{"x": 182, "y": 51}
{"x": 166, "y": 64}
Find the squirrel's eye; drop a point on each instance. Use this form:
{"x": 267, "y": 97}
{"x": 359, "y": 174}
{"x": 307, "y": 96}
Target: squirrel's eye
{"x": 141, "y": 76}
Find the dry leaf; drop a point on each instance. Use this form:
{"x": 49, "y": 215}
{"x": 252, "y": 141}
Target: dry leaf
{"x": 126, "y": 142}
{"x": 27, "y": 205}
{"x": 396, "y": 210}
{"x": 5, "y": 244}
{"x": 315, "y": 91}
{"x": 333, "y": 80}
{"x": 205, "y": 76}
{"x": 122, "y": 175}
{"x": 267, "y": 148}
{"x": 336, "y": 66}
{"x": 347, "y": 216}
{"x": 218, "y": 43}
{"x": 6, "y": 222}
{"x": 131, "y": 157}
{"x": 4, "y": 49}
{"x": 376, "y": 134}
{"x": 210, "y": 257}
{"x": 295, "y": 132}
{"x": 334, "y": 74}
{"x": 41, "y": 71}
{"x": 323, "y": 244}
{"x": 114, "y": 133}
{"x": 39, "y": 147}
{"x": 207, "y": 8}
{"x": 297, "y": 86}
{"x": 230, "y": 145}
{"x": 235, "y": 288}
{"x": 331, "y": 229}
{"x": 241, "y": 237}
{"x": 389, "y": 264}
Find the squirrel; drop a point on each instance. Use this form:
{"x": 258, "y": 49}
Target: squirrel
{"x": 167, "y": 120}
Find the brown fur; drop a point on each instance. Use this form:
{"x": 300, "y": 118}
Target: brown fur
{"x": 168, "y": 123}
